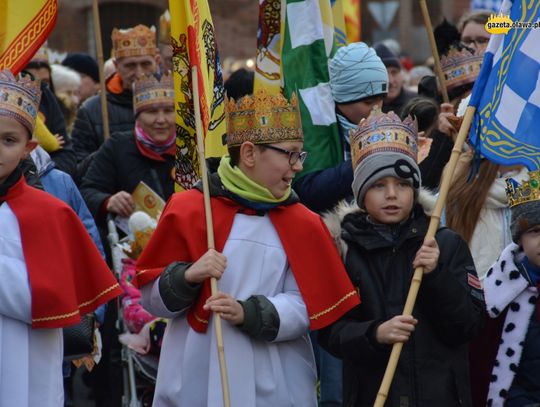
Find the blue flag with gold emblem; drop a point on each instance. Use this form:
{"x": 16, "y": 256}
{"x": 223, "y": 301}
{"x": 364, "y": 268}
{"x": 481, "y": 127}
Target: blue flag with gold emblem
{"x": 506, "y": 125}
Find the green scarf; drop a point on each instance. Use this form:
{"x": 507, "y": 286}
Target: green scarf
{"x": 240, "y": 184}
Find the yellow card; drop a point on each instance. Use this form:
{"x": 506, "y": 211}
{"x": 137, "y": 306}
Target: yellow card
{"x": 147, "y": 200}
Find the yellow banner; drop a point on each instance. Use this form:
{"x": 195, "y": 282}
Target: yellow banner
{"x": 24, "y": 27}
{"x": 351, "y": 10}
{"x": 194, "y": 43}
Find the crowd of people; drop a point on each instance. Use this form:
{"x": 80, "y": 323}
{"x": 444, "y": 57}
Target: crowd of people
{"x": 312, "y": 269}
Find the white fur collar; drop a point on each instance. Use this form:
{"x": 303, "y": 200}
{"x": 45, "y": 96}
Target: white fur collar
{"x": 505, "y": 286}
{"x": 503, "y": 282}
{"x": 334, "y": 217}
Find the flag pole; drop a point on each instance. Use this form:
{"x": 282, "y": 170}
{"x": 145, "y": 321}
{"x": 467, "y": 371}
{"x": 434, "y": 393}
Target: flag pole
{"x": 434, "y": 52}
{"x": 210, "y": 233}
{"x": 99, "y": 54}
{"x": 419, "y": 271}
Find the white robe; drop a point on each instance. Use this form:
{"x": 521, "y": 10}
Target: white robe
{"x": 30, "y": 359}
{"x": 263, "y": 374}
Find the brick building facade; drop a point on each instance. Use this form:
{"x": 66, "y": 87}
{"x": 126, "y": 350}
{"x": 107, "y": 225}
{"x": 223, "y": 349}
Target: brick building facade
{"x": 236, "y": 23}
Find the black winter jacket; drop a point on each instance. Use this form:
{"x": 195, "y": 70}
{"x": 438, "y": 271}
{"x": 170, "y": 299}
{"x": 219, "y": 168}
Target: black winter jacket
{"x": 322, "y": 190}
{"x": 120, "y": 166}
{"x": 400, "y": 102}
{"x": 87, "y": 133}
{"x": 432, "y": 167}
{"x": 433, "y": 368}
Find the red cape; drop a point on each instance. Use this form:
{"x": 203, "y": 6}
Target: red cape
{"x": 314, "y": 260}
{"x": 68, "y": 277}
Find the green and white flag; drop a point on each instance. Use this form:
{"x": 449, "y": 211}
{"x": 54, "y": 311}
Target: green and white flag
{"x": 308, "y": 42}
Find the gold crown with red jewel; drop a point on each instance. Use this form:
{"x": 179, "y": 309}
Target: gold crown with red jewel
{"x": 263, "y": 118}
{"x": 19, "y": 99}
{"x": 134, "y": 42}
{"x": 460, "y": 67}
{"x": 148, "y": 92}
{"x": 524, "y": 192}
{"x": 384, "y": 132}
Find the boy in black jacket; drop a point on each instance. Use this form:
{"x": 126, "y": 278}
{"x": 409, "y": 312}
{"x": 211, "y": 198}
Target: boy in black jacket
{"x": 382, "y": 242}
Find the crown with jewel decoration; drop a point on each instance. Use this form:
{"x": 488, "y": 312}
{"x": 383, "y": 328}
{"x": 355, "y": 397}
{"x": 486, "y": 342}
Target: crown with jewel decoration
{"x": 19, "y": 99}
{"x": 134, "y": 42}
{"x": 527, "y": 191}
{"x": 263, "y": 118}
{"x": 460, "y": 67}
{"x": 384, "y": 132}
{"x": 148, "y": 92}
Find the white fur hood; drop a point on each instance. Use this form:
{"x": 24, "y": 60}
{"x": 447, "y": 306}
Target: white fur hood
{"x": 333, "y": 218}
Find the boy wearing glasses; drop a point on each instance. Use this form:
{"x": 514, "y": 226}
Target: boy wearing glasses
{"x": 279, "y": 272}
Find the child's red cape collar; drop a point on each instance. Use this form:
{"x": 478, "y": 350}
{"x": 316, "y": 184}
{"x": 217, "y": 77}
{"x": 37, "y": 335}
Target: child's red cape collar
{"x": 68, "y": 277}
{"x": 313, "y": 258}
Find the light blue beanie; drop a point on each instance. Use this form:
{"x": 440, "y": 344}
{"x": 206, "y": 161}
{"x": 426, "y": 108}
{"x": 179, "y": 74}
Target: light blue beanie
{"x": 356, "y": 72}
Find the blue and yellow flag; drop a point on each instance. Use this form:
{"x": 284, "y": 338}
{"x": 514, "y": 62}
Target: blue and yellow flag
{"x": 24, "y": 27}
{"x": 194, "y": 44}
{"x": 506, "y": 126}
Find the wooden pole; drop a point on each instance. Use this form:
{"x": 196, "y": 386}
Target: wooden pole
{"x": 210, "y": 233}
{"x": 435, "y": 53}
{"x": 99, "y": 53}
{"x": 419, "y": 271}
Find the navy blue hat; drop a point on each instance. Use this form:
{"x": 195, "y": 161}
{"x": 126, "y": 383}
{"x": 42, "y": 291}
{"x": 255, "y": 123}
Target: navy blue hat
{"x": 83, "y": 63}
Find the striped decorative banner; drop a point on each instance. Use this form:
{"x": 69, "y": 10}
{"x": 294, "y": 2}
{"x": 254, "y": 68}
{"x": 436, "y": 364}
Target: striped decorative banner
{"x": 194, "y": 43}
{"x": 24, "y": 27}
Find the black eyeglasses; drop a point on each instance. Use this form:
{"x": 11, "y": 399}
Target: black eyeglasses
{"x": 478, "y": 41}
{"x": 294, "y": 156}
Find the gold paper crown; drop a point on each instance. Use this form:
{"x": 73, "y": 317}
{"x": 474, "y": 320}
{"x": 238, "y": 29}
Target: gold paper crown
{"x": 148, "y": 92}
{"x": 263, "y": 119}
{"x": 382, "y": 132}
{"x": 134, "y": 42}
{"x": 460, "y": 67}
{"x": 19, "y": 99}
{"x": 165, "y": 28}
{"x": 527, "y": 191}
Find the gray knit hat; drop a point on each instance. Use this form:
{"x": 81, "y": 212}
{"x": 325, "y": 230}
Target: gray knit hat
{"x": 524, "y": 202}
{"x": 384, "y": 146}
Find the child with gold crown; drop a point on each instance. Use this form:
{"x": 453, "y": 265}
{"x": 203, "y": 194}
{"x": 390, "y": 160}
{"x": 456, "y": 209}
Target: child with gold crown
{"x": 279, "y": 273}
{"x": 382, "y": 241}
{"x": 511, "y": 290}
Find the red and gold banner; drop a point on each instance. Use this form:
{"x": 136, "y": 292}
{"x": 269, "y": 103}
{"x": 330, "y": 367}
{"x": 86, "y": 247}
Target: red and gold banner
{"x": 194, "y": 44}
{"x": 24, "y": 27}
